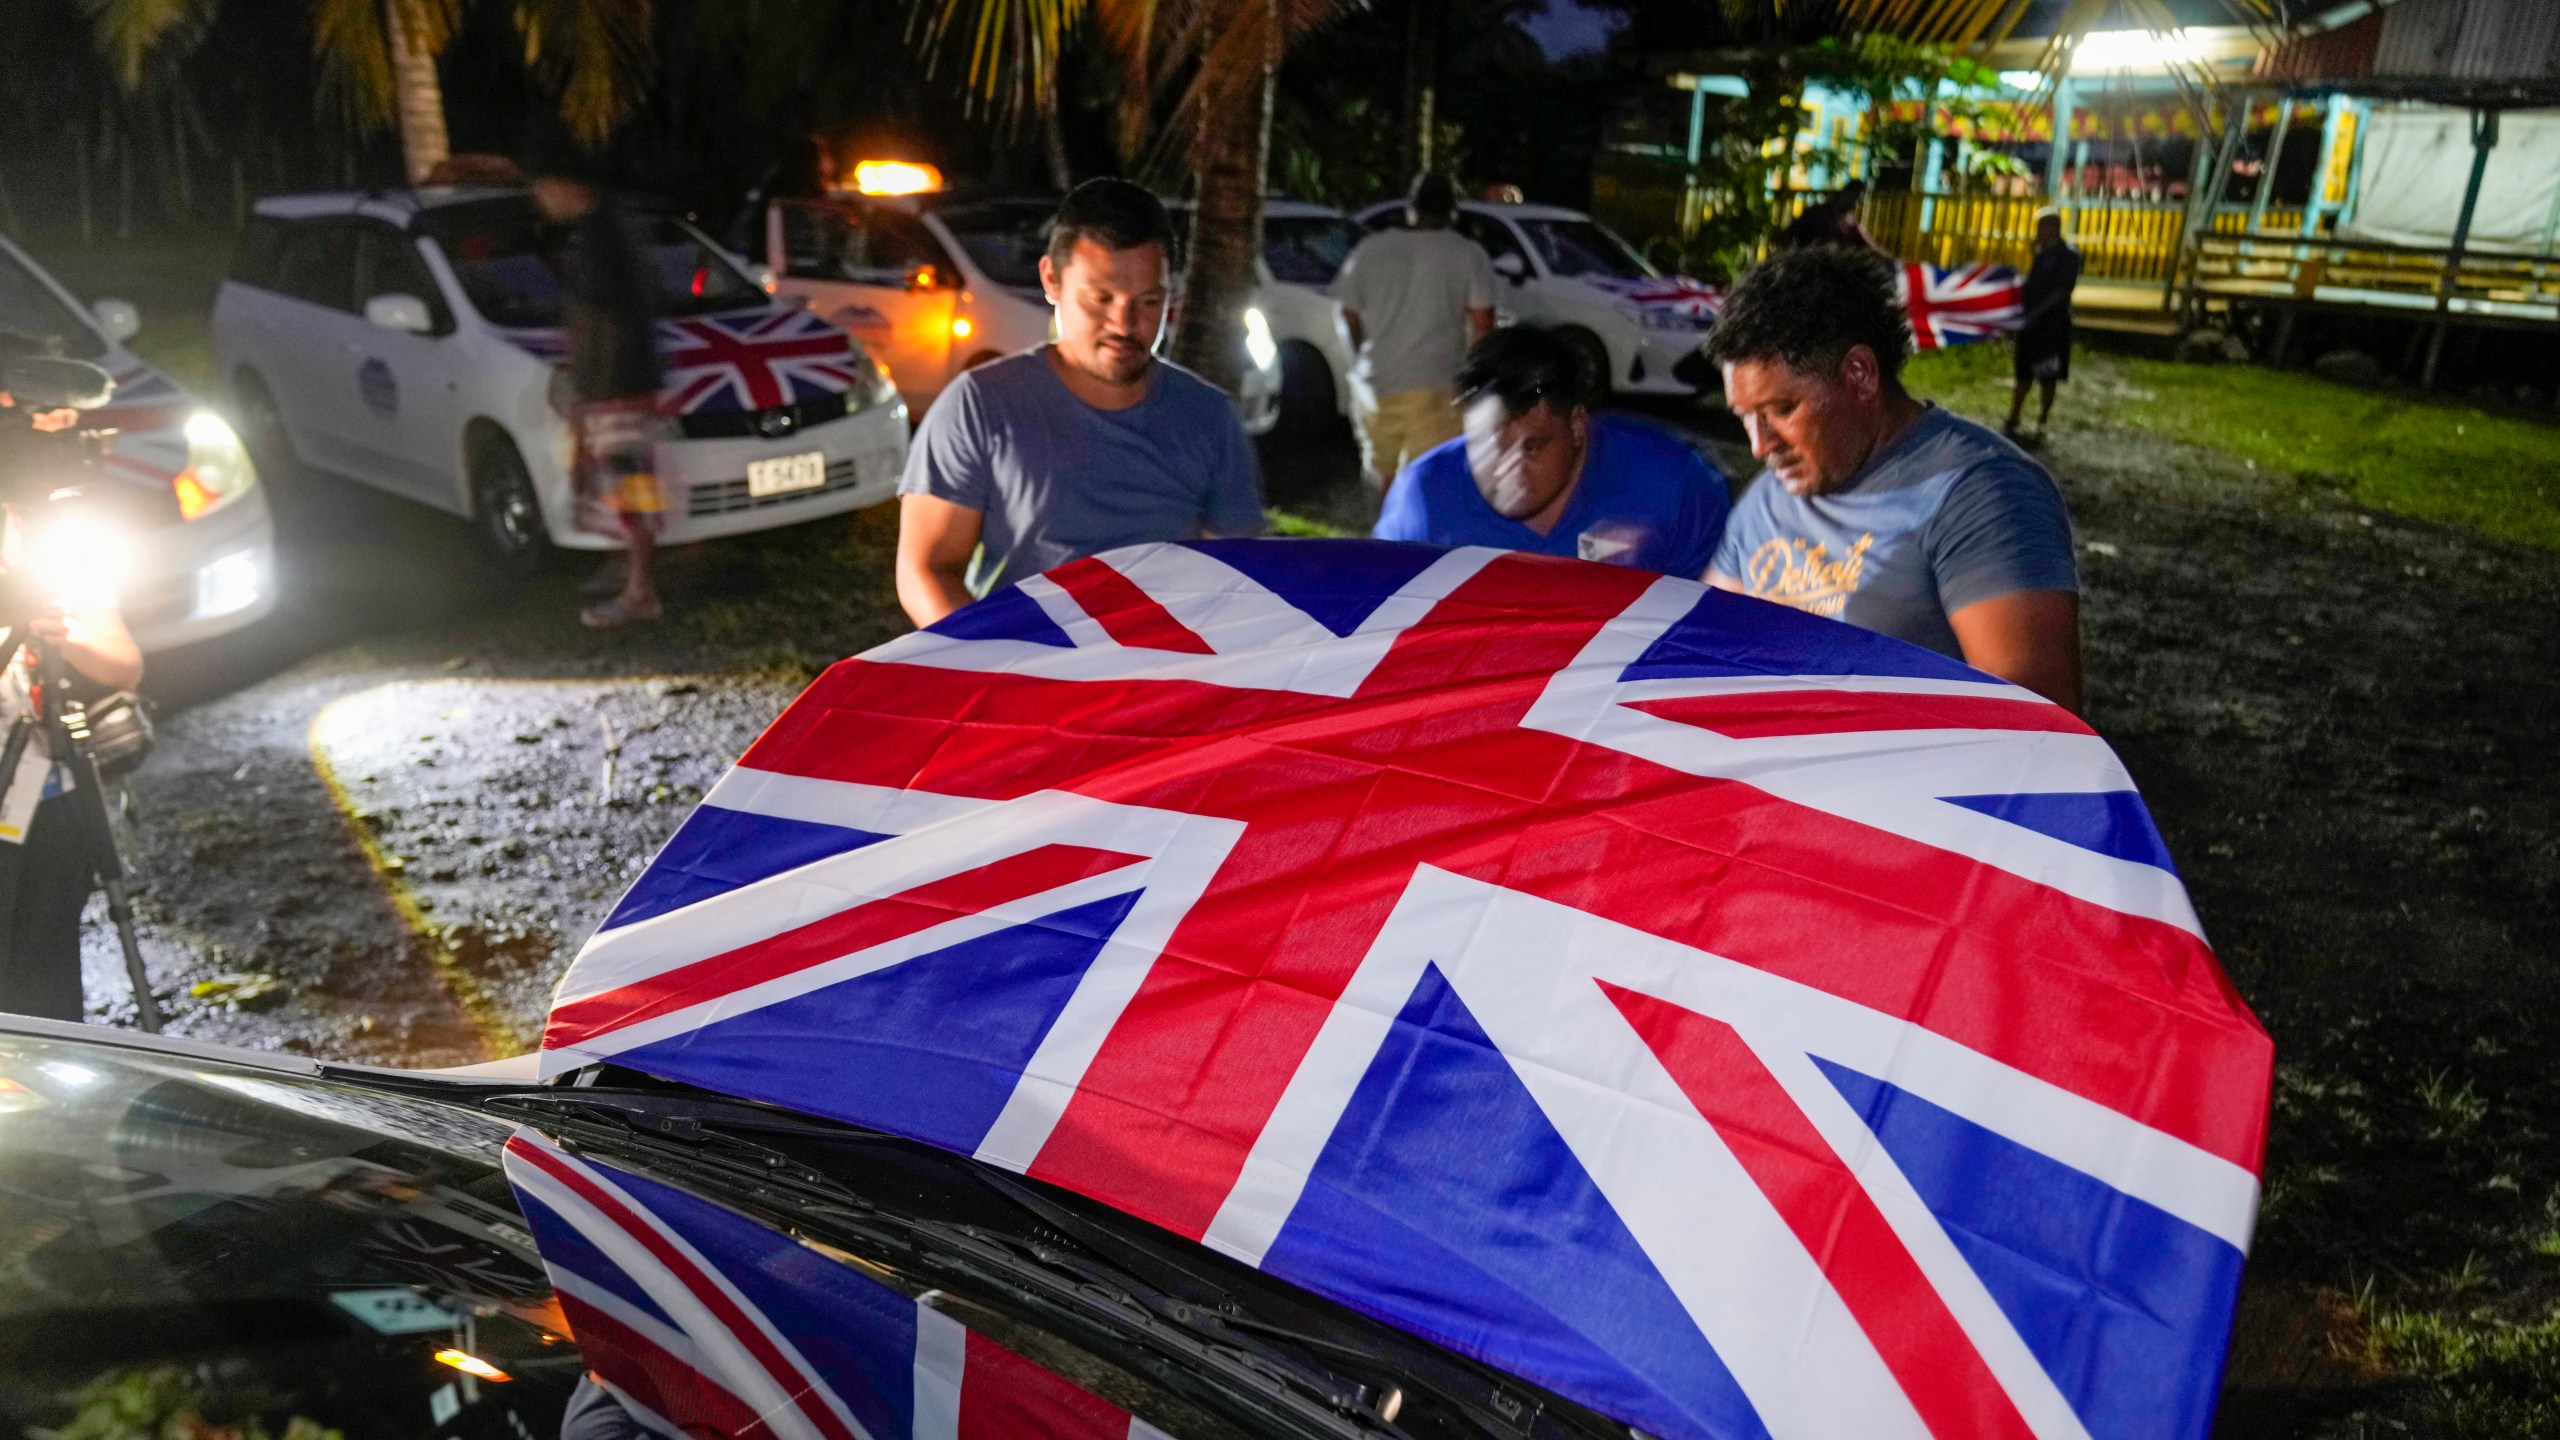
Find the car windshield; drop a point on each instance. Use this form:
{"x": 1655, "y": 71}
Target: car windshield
{"x": 1307, "y": 250}
{"x": 29, "y": 306}
{"x": 199, "y": 1249}
{"x": 1580, "y": 249}
{"x": 509, "y": 260}
{"x": 1004, "y": 238}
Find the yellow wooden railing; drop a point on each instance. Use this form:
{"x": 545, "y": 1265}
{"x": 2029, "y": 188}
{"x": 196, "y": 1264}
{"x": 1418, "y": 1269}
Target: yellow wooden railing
{"x": 2117, "y": 239}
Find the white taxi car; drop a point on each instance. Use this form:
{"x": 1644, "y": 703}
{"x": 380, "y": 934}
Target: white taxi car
{"x": 938, "y": 284}
{"x": 411, "y": 340}
{"x": 175, "y": 484}
{"x": 1568, "y": 272}
{"x": 1303, "y": 247}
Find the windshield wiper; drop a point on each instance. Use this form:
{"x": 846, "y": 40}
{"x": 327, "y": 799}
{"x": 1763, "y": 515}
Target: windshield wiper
{"x": 1252, "y": 1379}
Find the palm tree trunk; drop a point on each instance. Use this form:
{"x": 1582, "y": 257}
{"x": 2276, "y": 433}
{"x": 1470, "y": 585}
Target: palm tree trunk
{"x": 1226, "y": 228}
{"x": 419, "y": 96}
{"x": 1137, "y": 94}
{"x": 1053, "y": 140}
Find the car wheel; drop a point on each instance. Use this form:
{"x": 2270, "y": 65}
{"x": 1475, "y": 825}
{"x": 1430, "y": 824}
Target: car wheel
{"x": 1306, "y": 391}
{"x": 508, "y": 513}
{"x": 262, "y": 426}
{"x": 1595, "y": 355}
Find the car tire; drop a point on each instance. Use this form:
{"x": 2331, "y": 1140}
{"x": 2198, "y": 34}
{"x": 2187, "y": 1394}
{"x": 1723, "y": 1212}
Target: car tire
{"x": 1594, "y": 355}
{"x": 506, "y": 511}
{"x": 1306, "y": 392}
{"x": 262, "y": 427}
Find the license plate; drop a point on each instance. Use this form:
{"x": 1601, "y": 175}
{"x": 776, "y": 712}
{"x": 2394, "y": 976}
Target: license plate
{"x": 786, "y": 473}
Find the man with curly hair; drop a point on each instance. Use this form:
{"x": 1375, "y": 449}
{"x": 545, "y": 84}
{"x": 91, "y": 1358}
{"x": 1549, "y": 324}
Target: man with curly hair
{"x": 1877, "y": 508}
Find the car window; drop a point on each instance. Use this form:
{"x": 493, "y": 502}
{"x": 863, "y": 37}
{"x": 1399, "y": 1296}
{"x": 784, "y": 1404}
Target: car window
{"x": 192, "y": 1248}
{"x": 317, "y": 262}
{"x": 1307, "y": 250}
{"x": 389, "y": 265}
{"x": 1576, "y": 248}
{"x": 509, "y": 262}
{"x": 870, "y": 247}
{"x": 1494, "y": 236}
{"x": 29, "y": 306}
{"x": 261, "y": 245}
{"x": 1004, "y": 238}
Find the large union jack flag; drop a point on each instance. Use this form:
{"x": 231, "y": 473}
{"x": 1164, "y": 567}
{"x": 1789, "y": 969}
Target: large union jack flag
{"x": 704, "y": 1323}
{"x": 1744, "y": 1024}
{"x": 1956, "y": 304}
{"x": 744, "y": 361}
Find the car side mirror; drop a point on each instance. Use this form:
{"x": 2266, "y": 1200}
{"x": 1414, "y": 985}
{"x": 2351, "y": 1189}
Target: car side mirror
{"x": 1512, "y": 268}
{"x": 118, "y": 319}
{"x": 404, "y": 313}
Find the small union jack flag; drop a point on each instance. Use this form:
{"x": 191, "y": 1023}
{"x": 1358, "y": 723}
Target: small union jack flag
{"x": 149, "y": 414}
{"x": 1958, "y": 304}
{"x": 1674, "y": 293}
{"x": 702, "y": 1322}
{"x": 747, "y": 361}
{"x": 1744, "y": 1024}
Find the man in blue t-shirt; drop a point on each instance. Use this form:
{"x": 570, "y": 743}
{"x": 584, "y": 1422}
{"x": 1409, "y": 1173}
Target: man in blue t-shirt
{"x": 1537, "y": 471}
{"x": 1879, "y": 509}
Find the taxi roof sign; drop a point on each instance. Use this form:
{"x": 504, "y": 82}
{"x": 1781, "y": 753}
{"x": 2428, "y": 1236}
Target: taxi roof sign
{"x": 895, "y": 177}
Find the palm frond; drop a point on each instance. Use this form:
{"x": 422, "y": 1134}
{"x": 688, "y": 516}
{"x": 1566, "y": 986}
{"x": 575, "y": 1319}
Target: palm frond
{"x": 1009, "y": 48}
{"x": 129, "y": 32}
{"x": 353, "y": 40}
{"x": 596, "y": 53}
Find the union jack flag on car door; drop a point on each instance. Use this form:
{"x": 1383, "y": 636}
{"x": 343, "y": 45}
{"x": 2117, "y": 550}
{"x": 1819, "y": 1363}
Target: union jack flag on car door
{"x": 1741, "y": 1023}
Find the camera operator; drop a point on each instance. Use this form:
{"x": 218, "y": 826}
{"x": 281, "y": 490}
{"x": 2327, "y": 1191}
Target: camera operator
{"x": 49, "y": 847}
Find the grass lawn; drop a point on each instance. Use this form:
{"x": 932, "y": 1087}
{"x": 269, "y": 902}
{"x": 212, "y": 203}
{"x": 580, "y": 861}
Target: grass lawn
{"x": 2425, "y": 457}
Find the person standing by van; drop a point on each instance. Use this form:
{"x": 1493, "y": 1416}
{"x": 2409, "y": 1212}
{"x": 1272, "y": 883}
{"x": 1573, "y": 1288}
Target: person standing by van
{"x": 1413, "y": 301}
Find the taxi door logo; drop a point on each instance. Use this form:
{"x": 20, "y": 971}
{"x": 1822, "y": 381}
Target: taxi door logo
{"x": 1793, "y": 572}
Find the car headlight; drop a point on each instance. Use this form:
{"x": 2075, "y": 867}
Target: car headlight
{"x": 80, "y": 560}
{"x": 1258, "y": 344}
{"x": 218, "y": 467}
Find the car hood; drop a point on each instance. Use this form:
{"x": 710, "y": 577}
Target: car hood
{"x": 739, "y": 361}
{"x": 1732, "y": 1020}
{"x": 1664, "y": 294}
{"x": 148, "y": 412}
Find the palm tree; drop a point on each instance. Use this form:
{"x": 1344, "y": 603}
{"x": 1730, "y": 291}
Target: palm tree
{"x": 381, "y": 55}
{"x": 1209, "y": 66}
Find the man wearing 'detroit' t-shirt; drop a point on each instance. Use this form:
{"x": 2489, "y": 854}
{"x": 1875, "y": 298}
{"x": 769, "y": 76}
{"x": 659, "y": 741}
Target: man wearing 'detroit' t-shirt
{"x": 1877, "y": 508}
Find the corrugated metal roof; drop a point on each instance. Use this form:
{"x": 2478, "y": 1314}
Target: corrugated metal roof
{"x": 2470, "y": 39}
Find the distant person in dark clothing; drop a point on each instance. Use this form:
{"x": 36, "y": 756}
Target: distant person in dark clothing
{"x": 609, "y": 302}
{"x": 2044, "y": 339}
{"x": 1832, "y": 222}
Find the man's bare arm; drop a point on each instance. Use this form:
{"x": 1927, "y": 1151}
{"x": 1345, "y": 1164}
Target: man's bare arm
{"x": 935, "y": 540}
{"x": 1722, "y": 581}
{"x": 1479, "y": 324}
{"x": 2030, "y": 638}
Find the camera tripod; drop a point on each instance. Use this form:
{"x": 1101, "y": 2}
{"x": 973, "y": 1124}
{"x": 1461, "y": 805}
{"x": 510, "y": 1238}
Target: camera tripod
{"x": 66, "y": 734}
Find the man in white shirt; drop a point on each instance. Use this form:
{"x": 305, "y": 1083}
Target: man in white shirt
{"x": 1413, "y": 301}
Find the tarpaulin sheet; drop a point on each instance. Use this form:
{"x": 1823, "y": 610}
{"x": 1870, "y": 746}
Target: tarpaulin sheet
{"x": 1742, "y": 1023}
{"x": 2417, "y": 162}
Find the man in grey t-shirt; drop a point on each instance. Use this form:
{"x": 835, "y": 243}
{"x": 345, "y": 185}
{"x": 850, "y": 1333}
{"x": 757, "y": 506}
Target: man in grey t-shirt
{"x": 1413, "y": 301}
{"x": 1876, "y": 508}
{"x": 1083, "y": 445}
